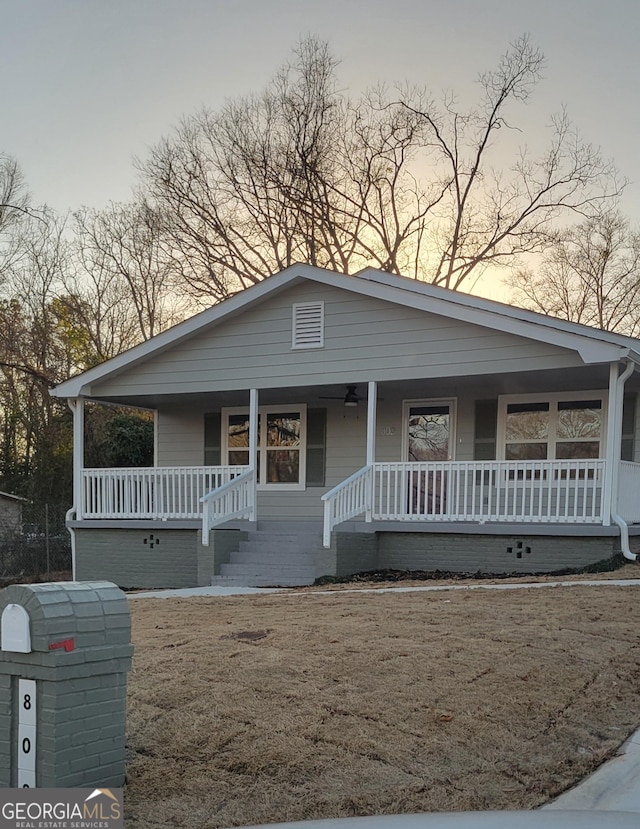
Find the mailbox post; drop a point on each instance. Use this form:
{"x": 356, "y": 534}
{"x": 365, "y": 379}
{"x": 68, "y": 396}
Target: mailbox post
{"x": 65, "y": 651}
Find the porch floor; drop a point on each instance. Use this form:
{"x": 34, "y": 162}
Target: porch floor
{"x": 426, "y": 526}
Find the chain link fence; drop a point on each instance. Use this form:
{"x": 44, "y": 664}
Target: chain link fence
{"x": 34, "y": 542}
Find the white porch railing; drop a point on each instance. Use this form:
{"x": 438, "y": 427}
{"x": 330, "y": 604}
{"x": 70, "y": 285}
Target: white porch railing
{"x": 173, "y": 492}
{"x": 629, "y": 492}
{"x": 350, "y": 498}
{"x": 502, "y": 491}
{"x": 235, "y": 499}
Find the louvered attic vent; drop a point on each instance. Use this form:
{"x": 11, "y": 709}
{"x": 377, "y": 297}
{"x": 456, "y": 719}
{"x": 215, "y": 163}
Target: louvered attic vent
{"x": 308, "y": 325}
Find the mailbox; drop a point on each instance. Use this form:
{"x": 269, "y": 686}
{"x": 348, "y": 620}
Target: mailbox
{"x": 65, "y": 651}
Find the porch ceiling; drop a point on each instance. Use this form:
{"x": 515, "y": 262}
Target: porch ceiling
{"x": 484, "y": 386}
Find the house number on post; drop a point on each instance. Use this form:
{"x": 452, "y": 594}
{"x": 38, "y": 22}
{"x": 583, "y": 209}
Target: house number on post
{"x": 26, "y": 748}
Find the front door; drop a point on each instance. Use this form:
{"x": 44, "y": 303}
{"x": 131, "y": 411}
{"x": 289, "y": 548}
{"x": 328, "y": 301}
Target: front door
{"x": 429, "y": 436}
{"x": 429, "y": 430}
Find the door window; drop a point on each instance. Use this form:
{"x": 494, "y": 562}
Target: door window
{"x": 429, "y": 426}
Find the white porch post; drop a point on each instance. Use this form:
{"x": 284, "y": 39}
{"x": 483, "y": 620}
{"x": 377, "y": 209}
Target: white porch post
{"x": 372, "y": 399}
{"x": 253, "y": 444}
{"x": 77, "y": 407}
{"x": 614, "y": 414}
{"x": 76, "y": 511}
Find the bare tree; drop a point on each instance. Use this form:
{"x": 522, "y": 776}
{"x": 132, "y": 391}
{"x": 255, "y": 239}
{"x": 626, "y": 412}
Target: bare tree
{"x": 298, "y": 173}
{"x": 302, "y": 173}
{"x": 123, "y": 280}
{"x": 590, "y": 274}
{"x": 33, "y": 354}
{"x": 34, "y": 279}
{"x": 13, "y": 194}
{"x": 14, "y": 201}
{"x": 495, "y": 210}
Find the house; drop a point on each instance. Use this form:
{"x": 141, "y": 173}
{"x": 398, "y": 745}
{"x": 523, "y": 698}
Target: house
{"x": 10, "y": 515}
{"x": 322, "y": 424}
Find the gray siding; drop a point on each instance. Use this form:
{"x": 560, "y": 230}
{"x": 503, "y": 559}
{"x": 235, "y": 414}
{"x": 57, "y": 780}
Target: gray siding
{"x": 365, "y": 339}
{"x": 355, "y": 553}
{"x": 180, "y": 436}
{"x": 490, "y": 553}
{"x": 121, "y": 556}
{"x": 222, "y": 543}
{"x": 346, "y": 453}
{"x": 181, "y": 443}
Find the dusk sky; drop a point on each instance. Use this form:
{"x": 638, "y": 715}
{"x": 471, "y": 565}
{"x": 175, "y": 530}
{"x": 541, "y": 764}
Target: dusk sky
{"x": 88, "y": 84}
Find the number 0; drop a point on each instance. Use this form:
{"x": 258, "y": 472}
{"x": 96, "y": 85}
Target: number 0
{"x": 26, "y": 745}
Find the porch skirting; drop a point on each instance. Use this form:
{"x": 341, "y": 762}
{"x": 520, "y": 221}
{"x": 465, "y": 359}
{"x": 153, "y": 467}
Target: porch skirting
{"x": 492, "y": 554}
{"x": 162, "y": 557}
{"x": 151, "y": 558}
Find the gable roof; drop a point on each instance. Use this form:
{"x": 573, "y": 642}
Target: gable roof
{"x": 593, "y": 345}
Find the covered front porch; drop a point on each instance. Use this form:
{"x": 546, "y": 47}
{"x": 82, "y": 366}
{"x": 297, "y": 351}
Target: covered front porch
{"x": 408, "y": 490}
{"x": 558, "y": 492}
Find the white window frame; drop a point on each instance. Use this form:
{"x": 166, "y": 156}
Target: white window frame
{"x": 298, "y": 306}
{"x": 452, "y": 402}
{"x": 552, "y": 398}
{"x": 263, "y": 412}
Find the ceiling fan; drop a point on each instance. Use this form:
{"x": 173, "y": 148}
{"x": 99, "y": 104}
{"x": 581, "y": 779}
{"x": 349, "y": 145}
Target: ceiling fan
{"x": 351, "y": 398}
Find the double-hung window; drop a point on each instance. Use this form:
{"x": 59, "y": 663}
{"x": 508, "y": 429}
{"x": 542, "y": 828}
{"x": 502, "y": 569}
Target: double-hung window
{"x": 567, "y": 426}
{"x": 281, "y": 443}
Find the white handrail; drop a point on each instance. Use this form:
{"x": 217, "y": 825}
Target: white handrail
{"x": 350, "y": 498}
{"x": 235, "y": 499}
{"x": 555, "y": 491}
{"x": 172, "y": 492}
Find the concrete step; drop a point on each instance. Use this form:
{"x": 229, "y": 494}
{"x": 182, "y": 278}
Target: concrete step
{"x": 268, "y": 545}
{"x": 272, "y": 557}
{"x": 251, "y": 570}
{"x": 278, "y": 554}
{"x": 258, "y": 581}
{"x": 306, "y": 543}
{"x": 290, "y": 527}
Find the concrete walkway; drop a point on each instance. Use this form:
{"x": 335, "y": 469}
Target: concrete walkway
{"x": 186, "y": 592}
{"x": 615, "y": 786}
{"x": 190, "y": 592}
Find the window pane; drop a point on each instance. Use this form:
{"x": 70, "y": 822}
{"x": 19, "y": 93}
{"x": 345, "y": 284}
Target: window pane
{"x": 238, "y": 431}
{"x": 238, "y": 457}
{"x": 526, "y": 451}
{"x": 527, "y": 421}
{"x": 283, "y": 429}
{"x": 429, "y": 433}
{"x": 442, "y": 409}
{"x": 579, "y": 419}
{"x": 568, "y": 450}
{"x": 283, "y": 466}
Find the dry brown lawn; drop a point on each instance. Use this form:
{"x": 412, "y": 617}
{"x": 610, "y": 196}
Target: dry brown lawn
{"x": 286, "y": 706}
